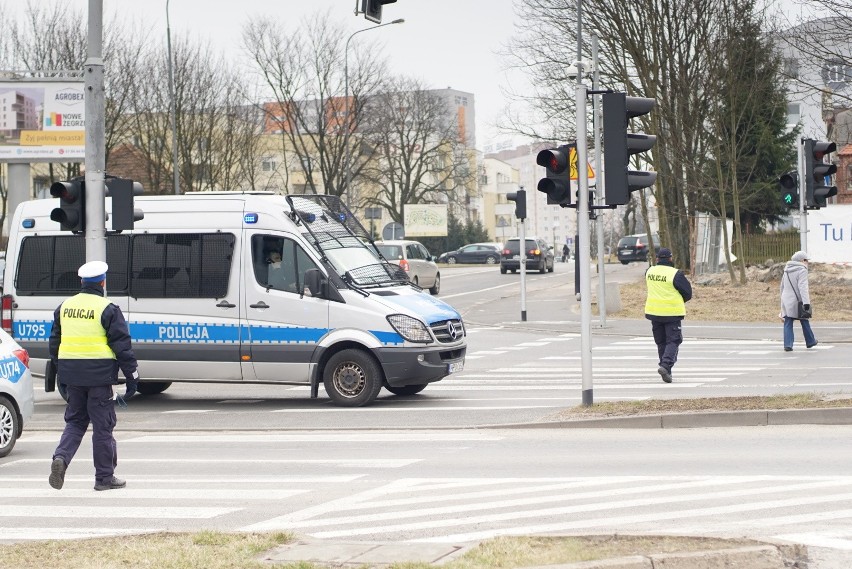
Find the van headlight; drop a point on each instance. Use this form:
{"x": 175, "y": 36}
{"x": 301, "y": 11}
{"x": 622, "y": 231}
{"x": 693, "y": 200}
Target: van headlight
{"x": 410, "y": 328}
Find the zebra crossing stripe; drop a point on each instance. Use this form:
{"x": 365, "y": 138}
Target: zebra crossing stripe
{"x": 116, "y": 512}
{"x": 43, "y": 534}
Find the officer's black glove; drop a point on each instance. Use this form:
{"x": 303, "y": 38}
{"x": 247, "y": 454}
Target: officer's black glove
{"x": 132, "y": 385}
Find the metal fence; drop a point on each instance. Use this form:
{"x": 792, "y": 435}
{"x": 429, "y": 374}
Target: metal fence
{"x": 776, "y": 246}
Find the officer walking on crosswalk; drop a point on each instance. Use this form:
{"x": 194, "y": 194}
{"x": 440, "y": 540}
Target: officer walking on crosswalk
{"x": 668, "y": 291}
{"x": 89, "y": 342}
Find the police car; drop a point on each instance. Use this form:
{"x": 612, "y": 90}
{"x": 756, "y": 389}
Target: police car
{"x": 16, "y": 392}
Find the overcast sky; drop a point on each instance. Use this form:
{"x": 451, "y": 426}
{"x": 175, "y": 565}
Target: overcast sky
{"x": 446, "y": 43}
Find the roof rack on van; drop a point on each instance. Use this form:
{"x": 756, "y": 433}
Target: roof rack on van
{"x": 229, "y": 193}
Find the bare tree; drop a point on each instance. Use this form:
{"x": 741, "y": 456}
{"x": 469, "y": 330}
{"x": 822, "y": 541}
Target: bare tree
{"x": 304, "y": 70}
{"x": 413, "y": 151}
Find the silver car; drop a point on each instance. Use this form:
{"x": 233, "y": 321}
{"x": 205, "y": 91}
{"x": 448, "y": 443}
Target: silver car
{"x": 415, "y": 260}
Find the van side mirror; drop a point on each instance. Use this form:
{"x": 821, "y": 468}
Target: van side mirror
{"x": 316, "y": 283}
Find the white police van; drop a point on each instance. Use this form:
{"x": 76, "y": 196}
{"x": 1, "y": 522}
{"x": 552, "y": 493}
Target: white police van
{"x": 243, "y": 287}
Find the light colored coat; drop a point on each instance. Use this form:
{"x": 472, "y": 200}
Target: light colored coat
{"x": 794, "y": 279}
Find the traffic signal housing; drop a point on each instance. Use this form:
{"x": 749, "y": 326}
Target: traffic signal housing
{"x": 619, "y": 145}
{"x": 122, "y": 190}
{"x": 789, "y": 183}
{"x": 557, "y": 183}
{"x": 816, "y": 172}
{"x": 373, "y": 9}
{"x": 71, "y": 213}
{"x": 520, "y": 199}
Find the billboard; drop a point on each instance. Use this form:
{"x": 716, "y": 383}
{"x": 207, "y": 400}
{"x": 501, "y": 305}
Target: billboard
{"x": 42, "y": 121}
{"x": 425, "y": 220}
{"x": 830, "y": 234}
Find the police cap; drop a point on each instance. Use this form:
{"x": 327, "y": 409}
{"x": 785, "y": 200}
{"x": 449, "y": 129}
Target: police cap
{"x": 93, "y": 271}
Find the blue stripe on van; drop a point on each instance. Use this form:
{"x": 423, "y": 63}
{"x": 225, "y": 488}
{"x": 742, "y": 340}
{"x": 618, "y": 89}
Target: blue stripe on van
{"x": 187, "y": 333}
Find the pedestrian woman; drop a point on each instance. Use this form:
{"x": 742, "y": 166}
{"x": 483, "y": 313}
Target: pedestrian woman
{"x": 794, "y": 289}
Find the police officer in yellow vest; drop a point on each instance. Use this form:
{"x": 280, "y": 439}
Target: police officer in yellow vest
{"x": 89, "y": 342}
{"x": 668, "y": 291}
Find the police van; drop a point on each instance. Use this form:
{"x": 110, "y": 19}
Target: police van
{"x": 242, "y": 287}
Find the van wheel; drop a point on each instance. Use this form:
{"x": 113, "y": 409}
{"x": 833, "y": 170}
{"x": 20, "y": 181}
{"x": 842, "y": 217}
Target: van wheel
{"x": 152, "y": 387}
{"x": 436, "y": 288}
{"x": 352, "y": 378}
{"x": 625, "y": 262}
{"x": 405, "y": 390}
{"x": 502, "y": 270}
{"x": 9, "y": 427}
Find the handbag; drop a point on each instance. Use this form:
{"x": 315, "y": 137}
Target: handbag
{"x": 804, "y": 313}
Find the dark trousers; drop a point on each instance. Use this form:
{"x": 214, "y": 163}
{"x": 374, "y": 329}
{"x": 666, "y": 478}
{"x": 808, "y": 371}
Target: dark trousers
{"x": 668, "y": 337}
{"x": 90, "y": 405}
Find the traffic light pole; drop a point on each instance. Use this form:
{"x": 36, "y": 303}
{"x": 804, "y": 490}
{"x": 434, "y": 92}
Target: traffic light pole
{"x": 95, "y": 156}
{"x": 523, "y": 265}
{"x": 803, "y": 212}
{"x": 583, "y": 249}
{"x": 599, "y": 188}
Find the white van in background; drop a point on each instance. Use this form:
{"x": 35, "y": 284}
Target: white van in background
{"x": 243, "y": 287}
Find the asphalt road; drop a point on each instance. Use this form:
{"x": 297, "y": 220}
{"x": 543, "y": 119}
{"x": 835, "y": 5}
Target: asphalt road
{"x": 516, "y": 371}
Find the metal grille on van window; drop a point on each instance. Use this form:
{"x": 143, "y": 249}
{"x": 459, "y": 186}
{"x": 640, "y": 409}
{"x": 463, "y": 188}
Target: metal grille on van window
{"x": 448, "y": 331}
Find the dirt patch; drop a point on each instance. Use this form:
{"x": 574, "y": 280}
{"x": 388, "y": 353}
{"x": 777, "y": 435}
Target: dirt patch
{"x": 715, "y": 298}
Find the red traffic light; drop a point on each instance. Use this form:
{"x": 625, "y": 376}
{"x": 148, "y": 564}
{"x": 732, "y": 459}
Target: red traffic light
{"x": 555, "y": 160}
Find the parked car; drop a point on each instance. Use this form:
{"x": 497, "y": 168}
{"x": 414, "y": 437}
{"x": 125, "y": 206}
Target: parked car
{"x": 16, "y": 391}
{"x": 539, "y": 255}
{"x": 488, "y": 253}
{"x": 635, "y": 247}
{"x": 415, "y": 260}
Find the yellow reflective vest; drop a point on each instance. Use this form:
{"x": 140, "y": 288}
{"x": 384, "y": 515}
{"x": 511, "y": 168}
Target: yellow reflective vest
{"x": 663, "y": 298}
{"x": 83, "y": 337}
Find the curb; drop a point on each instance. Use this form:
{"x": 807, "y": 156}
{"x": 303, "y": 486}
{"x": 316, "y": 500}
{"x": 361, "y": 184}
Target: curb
{"x": 754, "y": 557}
{"x": 362, "y": 555}
{"x": 771, "y": 417}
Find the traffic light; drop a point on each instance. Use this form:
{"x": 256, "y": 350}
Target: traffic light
{"x": 789, "y": 183}
{"x": 619, "y": 145}
{"x": 816, "y": 172}
{"x": 557, "y": 184}
{"x": 122, "y": 191}
{"x": 71, "y": 213}
{"x": 373, "y": 9}
{"x": 520, "y": 199}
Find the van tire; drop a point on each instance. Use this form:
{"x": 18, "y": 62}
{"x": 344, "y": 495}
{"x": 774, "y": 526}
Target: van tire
{"x": 352, "y": 378}
{"x": 405, "y": 390}
{"x": 10, "y": 426}
{"x": 152, "y": 387}
{"x": 436, "y": 288}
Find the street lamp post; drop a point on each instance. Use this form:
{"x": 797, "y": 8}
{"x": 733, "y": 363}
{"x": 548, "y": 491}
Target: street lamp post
{"x": 172, "y": 106}
{"x": 347, "y": 152}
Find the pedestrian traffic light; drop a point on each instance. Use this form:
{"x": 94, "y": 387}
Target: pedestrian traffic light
{"x": 619, "y": 145}
{"x": 520, "y": 199}
{"x": 817, "y": 172}
{"x": 789, "y": 183}
{"x": 557, "y": 184}
{"x": 71, "y": 213}
{"x": 373, "y": 9}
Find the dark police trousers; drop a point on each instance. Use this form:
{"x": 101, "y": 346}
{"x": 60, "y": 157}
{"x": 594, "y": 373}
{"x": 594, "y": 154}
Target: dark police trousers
{"x": 668, "y": 337}
{"x": 90, "y": 404}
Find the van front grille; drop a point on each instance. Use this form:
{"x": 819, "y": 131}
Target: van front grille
{"x": 448, "y": 331}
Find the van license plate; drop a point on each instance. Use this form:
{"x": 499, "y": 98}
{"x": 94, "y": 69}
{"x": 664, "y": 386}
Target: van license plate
{"x": 455, "y": 368}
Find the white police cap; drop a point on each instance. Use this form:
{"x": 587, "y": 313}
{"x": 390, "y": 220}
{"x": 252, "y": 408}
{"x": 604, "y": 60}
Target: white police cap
{"x": 93, "y": 271}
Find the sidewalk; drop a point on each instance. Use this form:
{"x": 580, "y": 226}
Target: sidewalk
{"x": 374, "y": 555}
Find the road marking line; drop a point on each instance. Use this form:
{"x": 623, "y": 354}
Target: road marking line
{"x": 347, "y": 437}
{"x": 118, "y": 512}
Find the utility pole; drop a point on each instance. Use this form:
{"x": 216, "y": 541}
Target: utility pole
{"x": 95, "y": 154}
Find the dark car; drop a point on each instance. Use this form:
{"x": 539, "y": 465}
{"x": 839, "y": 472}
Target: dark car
{"x": 635, "y": 247}
{"x": 488, "y": 253}
{"x": 539, "y": 255}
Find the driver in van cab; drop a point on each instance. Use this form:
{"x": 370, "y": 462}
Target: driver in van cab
{"x": 277, "y": 273}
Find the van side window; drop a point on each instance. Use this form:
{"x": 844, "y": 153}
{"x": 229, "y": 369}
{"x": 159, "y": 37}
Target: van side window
{"x": 48, "y": 265}
{"x": 181, "y": 265}
{"x": 279, "y": 263}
